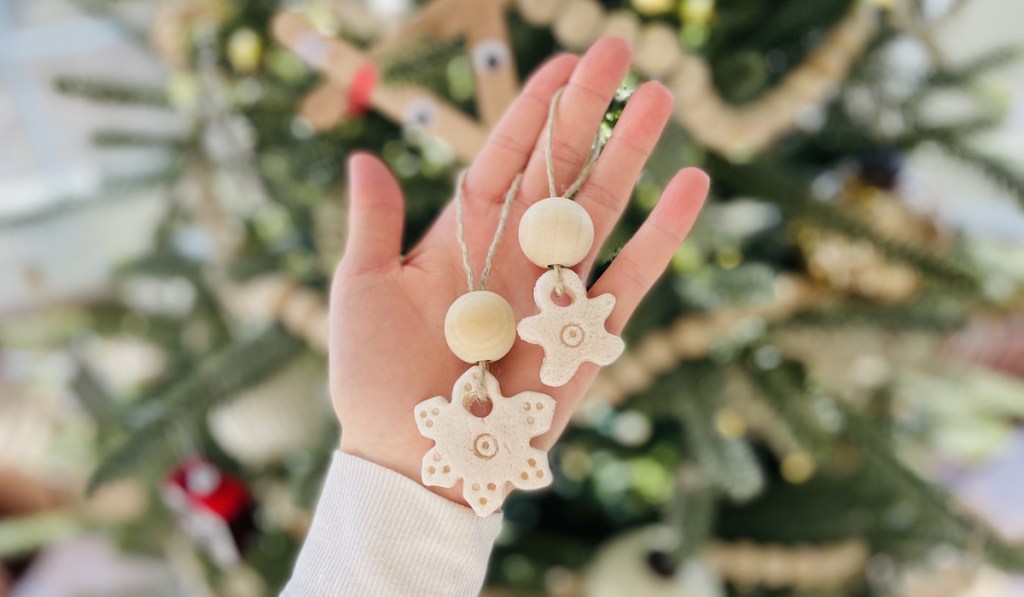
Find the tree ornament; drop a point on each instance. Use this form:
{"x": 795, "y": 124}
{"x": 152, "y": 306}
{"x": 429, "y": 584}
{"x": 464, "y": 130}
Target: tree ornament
{"x": 557, "y": 232}
{"x": 630, "y": 565}
{"x": 213, "y": 508}
{"x": 245, "y": 50}
{"x": 572, "y": 334}
{"x": 488, "y": 453}
{"x": 491, "y": 454}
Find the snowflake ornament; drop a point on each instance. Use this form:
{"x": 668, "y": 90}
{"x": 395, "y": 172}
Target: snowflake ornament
{"x": 571, "y": 334}
{"x": 490, "y": 454}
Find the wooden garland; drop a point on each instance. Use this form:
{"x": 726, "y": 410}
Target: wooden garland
{"x": 776, "y": 566}
{"x": 299, "y": 309}
{"x": 713, "y": 122}
{"x": 699, "y": 108}
{"x": 692, "y": 336}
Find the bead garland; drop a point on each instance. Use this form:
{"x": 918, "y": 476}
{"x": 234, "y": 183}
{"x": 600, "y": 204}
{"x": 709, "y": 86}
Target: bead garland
{"x": 699, "y": 108}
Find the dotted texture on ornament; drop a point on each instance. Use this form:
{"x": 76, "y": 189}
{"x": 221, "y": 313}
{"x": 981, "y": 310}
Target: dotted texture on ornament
{"x": 490, "y": 454}
{"x": 570, "y": 334}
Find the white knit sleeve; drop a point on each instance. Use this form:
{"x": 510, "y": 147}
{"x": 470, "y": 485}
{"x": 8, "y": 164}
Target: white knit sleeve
{"x": 376, "y": 532}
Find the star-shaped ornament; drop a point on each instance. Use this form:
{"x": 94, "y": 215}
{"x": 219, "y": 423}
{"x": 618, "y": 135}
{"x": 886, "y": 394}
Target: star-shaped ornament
{"x": 571, "y": 334}
{"x": 491, "y": 454}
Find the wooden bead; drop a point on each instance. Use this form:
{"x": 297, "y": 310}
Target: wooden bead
{"x": 578, "y": 23}
{"x": 556, "y": 231}
{"x": 657, "y": 50}
{"x": 480, "y": 326}
{"x": 623, "y": 24}
{"x": 539, "y": 13}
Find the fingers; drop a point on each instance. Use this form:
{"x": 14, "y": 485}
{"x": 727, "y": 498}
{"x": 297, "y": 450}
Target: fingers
{"x": 577, "y": 116}
{"x": 376, "y": 215}
{"x": 605, "y": 194}
{"x": 642, "y": 261}
{"x": 509, "y": 145}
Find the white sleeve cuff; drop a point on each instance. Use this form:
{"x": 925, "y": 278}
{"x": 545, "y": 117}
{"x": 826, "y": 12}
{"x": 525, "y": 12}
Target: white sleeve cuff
{"x": 376, "y": 532}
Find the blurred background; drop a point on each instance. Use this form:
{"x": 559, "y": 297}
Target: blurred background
{"x": 823, "y": 396}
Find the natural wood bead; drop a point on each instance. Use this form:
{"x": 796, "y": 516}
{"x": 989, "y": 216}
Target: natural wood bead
{"x": 539, "y": 13}
{"x": 578, "y": 23}
{"x": 657, "y": 50}
{"x": 480, "y": 326}
{"x": 556, "y": 231}
{"x": 623, "y": 24}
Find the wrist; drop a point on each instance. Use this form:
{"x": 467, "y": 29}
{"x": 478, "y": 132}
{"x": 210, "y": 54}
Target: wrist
{"x": 401, "y": 464}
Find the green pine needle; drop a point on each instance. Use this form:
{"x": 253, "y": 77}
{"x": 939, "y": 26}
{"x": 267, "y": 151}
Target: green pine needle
{"x": 997, "y": 170}
{"x": 964, "y": 75}
{"x": 216, "y": 380}
{"x": 421, "y": 62}
{"x": 114, "y": 92}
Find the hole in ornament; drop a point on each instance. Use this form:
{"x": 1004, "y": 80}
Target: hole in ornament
{"x": 562, "y": 301}
{"x": 532, "y": 462}
{"x": 447, "y": 469}
{"x": 491, "y": 486}
{"x": 476, "y": 487}
{"x": 524, "y": 476}
{"x": 480, "y": 408}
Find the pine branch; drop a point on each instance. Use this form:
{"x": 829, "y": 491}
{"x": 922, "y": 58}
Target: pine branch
{"x": 216, "y": 380}
{"x": 785, "y": 387}
{"x": 793, "y": 407}
{"x": 114, "y": 191}
{"x": 309, "y": 478}
{"x": 947, "y": 133}
{"x": 913, "y": 316}
{"x": 729, "y": 463}
{"x": 936, "y": 268}
{"x": 770, "y": 181}
{"x": 994, "y": 168}
{"x": 964, "y": 530}
{"x": 421, "y": 62}
{"x": 119, "y": 138}
{"x": 112, "y": 92}
{"x": 26, "y": 534}
{"x": 966, "y": 74}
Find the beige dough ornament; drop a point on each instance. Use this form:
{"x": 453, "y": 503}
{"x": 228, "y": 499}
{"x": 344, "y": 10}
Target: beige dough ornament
{"x": 557, "y": 233}
{"x": 492, "y": 453}
{"x": 571, "y": 334}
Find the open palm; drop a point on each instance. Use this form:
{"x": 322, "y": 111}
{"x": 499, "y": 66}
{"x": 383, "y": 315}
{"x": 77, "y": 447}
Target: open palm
{"x": 387, "y": 345}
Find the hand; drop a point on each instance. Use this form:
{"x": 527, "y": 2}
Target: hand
{"x": 387, "y": 345}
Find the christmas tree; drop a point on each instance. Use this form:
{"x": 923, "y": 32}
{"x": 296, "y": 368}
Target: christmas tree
{"x": 762, "y": 435}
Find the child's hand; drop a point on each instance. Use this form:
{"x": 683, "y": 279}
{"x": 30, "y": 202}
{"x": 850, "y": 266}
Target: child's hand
{"x": 387, "y": 347}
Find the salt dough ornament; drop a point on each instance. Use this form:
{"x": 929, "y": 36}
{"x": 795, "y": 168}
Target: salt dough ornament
{"x": 490, "y": 454}
{"x": 571, "y": 334}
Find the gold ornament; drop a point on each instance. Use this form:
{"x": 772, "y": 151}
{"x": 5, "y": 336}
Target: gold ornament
{"x": 245, "y": 50}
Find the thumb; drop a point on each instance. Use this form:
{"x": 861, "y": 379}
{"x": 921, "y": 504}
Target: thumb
{"x": 376, "y": 214}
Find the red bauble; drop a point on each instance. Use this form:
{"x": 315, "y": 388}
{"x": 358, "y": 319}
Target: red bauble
{"x": 213, "y": 508}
